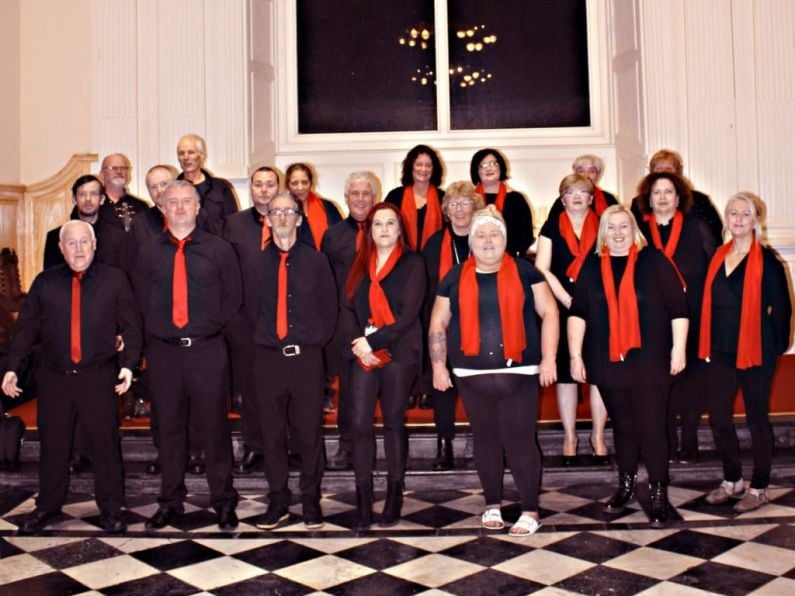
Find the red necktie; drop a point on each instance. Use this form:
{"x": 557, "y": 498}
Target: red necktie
{"x": 179, "y": 299}
{"x": 359, "y": 235}
{"x": 75, "y": 350}
{"x": 281, "y": 302}
{"x": 266, "y": 233}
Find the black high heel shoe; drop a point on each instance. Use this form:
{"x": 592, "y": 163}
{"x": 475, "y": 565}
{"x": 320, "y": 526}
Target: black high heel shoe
{"x": 571, "y": 460}
{"x": 598, "y": 460}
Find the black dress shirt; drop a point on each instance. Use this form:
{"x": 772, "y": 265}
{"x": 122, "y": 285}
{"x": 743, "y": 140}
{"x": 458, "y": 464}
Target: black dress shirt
{"x": 214, "y": 286}
{"x": 311, "y": 298}
{"x": 405, "y": 291}
{"x": 218, "y": 202}
{"x": 149, "y": 225}
{"x": 122, "y": 212}
{"x": 243, "y": 230}
{"x": 108, "y": 309}
{"x": 110, "y": 245}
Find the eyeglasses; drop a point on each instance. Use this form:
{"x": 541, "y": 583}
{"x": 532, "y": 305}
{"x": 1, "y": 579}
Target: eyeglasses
{"x": 466, "y": 204}
{"x": 279, "y": 211}
{"x": 485, "y": 165}
{"x": 117, "y": 168}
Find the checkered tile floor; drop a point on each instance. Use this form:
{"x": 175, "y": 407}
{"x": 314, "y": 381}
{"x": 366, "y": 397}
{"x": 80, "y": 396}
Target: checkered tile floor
{"x": 438, "y": 548}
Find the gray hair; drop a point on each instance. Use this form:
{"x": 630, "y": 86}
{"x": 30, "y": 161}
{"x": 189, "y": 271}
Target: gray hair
{"x": 76, "y": 222}
{"x": 200, "y": 144}
{"x": 362, "y": 176}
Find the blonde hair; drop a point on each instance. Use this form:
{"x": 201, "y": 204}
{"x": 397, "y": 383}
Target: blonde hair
{"x": 489, "y": 214}
{"x": 639, "y": 240}
{"x": 465, "y": 190}
{"x": 757, "y": 206}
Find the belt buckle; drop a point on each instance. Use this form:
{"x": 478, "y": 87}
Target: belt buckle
{"x": 185, "y": 342}
{"x": 291, "y": 350}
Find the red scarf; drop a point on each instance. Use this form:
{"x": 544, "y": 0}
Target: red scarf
{"x": 510, "y": 295}
{"x": 318, "y": 220}
{"x": 446, "y": 254}
{"x": 579, "y": 248}
{"x": 380, "y": 312}
{"x": 673, "y": 240}
{"x": 599, "y": 200}
{"x": 433, "y": 216}
{"x": 500, "y": 201}
{"x": 749, "y": 343}
{"x": 622, "y": 311}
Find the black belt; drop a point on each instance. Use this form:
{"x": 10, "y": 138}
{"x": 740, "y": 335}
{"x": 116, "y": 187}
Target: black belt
{"x": 186, "y": 342}
{"x": 290, "y": 350}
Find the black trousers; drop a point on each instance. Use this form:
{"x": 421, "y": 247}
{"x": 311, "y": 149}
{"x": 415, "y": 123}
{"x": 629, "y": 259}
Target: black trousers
{"x": 239, "y": 335}
{"x": 389, "y": 385}
{"x": 89, "y": 396}
{"x": 289, "y": 390}
{"x": 503, "y": 413}
{"x": 724, "y": 378}
{"x": 444, "y": 412}
{"x": 345, "y": 406}
{"x": 687, "y": 402}
{"x": 192, "y": 379}
{"x": 638, "y": 413}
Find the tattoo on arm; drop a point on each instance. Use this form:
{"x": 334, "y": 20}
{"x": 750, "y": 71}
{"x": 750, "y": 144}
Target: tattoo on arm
{"x": 437, "y": 346}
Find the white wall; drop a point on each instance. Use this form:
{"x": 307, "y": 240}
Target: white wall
{"x": 9, "y": 97}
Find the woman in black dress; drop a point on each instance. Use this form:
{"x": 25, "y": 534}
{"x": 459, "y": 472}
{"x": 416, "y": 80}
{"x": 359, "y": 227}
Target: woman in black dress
{"x": 566, "y": 239}
{"x": 745, "y": 326}
{"x": 489, "y": 171}
{"x": 386, "y": 291}
{"x": 592, "y": 167}
{"x": 664, "y": 200}
{"x": 628, "y": 329}
{"x": 445, "y": 249}
{"x": 484, "y": 318}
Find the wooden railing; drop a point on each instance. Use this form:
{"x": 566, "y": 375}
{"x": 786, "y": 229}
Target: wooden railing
{"x": 28, "y": 212}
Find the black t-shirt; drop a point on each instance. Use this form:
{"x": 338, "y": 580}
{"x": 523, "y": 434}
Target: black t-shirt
{"x": 491, "y": 348}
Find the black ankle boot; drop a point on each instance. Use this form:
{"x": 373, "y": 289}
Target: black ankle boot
{"x": 364, "y": 506}
{"x": 659, "y": 505}
{"x": 444, "y": 455}
{"x": 392, "y": 504}
{"x": 624, "y": 494}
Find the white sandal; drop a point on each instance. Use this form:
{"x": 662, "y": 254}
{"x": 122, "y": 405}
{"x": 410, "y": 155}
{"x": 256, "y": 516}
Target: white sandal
{"x": 525, "y": 526}
{"x": 492, "y": 516}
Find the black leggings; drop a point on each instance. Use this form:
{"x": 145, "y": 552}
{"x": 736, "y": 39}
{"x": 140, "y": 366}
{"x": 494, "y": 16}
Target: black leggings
{"x": 724, "y": 380}
{"x": 390, "y": 385}
{"x": 638, "y": 413}
{"x": 503, "y": 412}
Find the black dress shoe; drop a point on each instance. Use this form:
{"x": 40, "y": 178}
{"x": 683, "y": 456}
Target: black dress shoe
{"x": 196, "y": 464}
{"x": 569, "y": 460}
{"x": 113, "y": 523}
{"x": 250, "y": 462}
{"x": 153, "y": 468}
{"x": 162, "y": 517}
{"x": 686, "y": 458}
{"x": 340, "y": 460}
{"x": 313, "y": 515}
{"x": 425, "y": 401}
{"x": 37, "y": 521}
{"x": 412, "y": 403}
{"x": 79, "y": 464}
{"x": 227, "y": 518}
{"x": 275, "y": 516}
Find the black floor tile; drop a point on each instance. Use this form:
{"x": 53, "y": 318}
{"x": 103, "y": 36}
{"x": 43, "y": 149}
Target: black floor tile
{"x": 786, "y": 500}
{"x": 723, "y": 579}
{"x": 596, "y": 511}
{"x": 153, "y": 585}
{"x": 696, "y": 544}
{"x": 264, "y": 584}
{"x": 595, "y": 491}
{"x": 486, "y": 551}
{"x": 176, "y": 554}
{"x": 491, "y": 582}
{"x": 44, "y": 585}
{"x": 277, "y": 555}
{"x": 381, "y": 554}
{"x": 76, "y": 553}
{"x": 376, "y": 583}
{"x": 591, "y": 547}
{"x": 8, "y": 550}
{"x": 437, "y": 516}
{"x": 194, "y": 520}
{"x": 609, "y": 581}
{"x": 437, "y": 496}
{"x": 11, "y": 497}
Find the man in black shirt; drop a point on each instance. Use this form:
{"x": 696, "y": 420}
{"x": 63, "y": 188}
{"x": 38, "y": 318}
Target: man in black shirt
{"x": 188, "y": 286}
{"x": 339, "y": 244}
{"x": 120, "y": 207}
{"x": 89, "y": 195}
{"x": 77, "y": 311}
{"x": 294, "y": 314}
{"x": 217, "y": 195}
